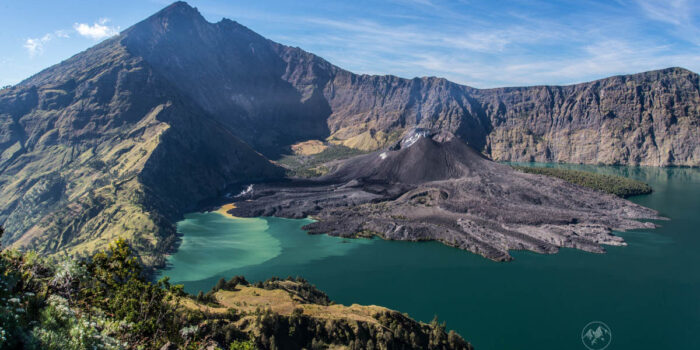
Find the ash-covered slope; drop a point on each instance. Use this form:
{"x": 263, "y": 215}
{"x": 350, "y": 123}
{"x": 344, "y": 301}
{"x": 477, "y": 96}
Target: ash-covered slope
{"x": 434, "y": 187}
{"x": 417, "y": 159}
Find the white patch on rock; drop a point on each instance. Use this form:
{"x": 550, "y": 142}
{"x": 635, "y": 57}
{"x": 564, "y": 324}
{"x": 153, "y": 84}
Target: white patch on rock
{"x": 248, "y": 190}
{"x": 383, "y": 155}
{"x": 414, "y": 136}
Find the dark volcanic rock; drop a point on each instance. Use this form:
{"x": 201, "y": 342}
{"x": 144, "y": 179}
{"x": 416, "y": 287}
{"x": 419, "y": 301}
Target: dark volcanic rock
{"x": 445, "y": 191}
{"x": 421, "y": 160}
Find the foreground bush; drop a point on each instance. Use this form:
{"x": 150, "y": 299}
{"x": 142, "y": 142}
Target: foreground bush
{"x": 105, "y": 302}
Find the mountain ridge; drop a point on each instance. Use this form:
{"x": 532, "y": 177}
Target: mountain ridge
{"x": 477, "y": 115}
{"x": 108, "y": 148}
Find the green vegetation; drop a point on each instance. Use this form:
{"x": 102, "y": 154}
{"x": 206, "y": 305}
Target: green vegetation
{"x": 617, "y": 185}
{"x": 105, "y": 302}
{"x": 313, "y": 165}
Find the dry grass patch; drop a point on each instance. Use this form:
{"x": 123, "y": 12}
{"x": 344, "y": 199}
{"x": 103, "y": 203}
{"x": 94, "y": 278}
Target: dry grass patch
{"x": 248, "y": 299}
{"x": 308, "y": 148}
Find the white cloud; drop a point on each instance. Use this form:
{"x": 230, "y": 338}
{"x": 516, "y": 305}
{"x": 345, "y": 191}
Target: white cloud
{"x": 609, "y": 57}
{"x": 427, "y": 3}
{"x": 35, "y": 46}
{"x": 676, "y": 12}
{"x": 382, "y": 37}
{"x": 62, "y": 34}
{"x": 516, "y": 50}
{"x": 681, "y": 15}
{"x": 98, "y": 30}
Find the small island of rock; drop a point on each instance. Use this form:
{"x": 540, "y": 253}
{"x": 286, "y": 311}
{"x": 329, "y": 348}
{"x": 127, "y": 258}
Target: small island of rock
{"x": 433, "y": 186}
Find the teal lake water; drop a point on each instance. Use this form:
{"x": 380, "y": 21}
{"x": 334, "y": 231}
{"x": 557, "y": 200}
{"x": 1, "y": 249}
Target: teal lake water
{"x": 648, "y": 293}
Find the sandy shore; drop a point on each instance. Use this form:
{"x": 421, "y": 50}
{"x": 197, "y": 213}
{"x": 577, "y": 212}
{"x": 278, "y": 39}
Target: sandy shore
{"x": 223, "y": 210}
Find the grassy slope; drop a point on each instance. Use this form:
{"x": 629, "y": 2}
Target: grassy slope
{"x": 100, "y": 147}
{"x": 313, "y": 165}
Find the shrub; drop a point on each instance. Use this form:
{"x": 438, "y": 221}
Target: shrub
{"x": 617, "y": 185}
{"x": 242, "y": 345}
{"x": 60, "y": 328}
{"x": 107, "y": 303}
{"x": 118, "y": 287}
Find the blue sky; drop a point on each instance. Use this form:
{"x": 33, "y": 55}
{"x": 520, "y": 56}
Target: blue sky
{"x": 478, "y": 43}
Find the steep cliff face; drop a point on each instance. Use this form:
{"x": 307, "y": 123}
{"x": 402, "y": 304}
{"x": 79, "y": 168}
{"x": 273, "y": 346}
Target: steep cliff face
{"x": 650, "y": 118}
{"x": 101, "y": 146}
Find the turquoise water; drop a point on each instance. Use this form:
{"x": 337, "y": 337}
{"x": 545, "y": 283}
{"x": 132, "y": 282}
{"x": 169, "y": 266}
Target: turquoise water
{"x": 648, "y": 293}
{"x": 215, "y": 246}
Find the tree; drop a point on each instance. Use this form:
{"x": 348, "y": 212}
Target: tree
{"x": 220, "y": 285}
{"x": 118, "y": 288}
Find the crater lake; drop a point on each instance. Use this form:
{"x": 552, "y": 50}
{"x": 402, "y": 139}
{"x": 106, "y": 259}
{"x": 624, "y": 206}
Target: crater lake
{"x": 648, "y": 292}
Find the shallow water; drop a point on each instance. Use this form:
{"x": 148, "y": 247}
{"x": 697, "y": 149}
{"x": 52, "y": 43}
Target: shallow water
{"x": 648, "y": 293}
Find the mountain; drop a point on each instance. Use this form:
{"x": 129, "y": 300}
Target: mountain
{"x": 419, "y": 159}
{"x": 125, "y": 137}
{"x": 433, "y": 186}
{"x": 272, "y": 95}
{"x": 102, "y": 146}
{"x": 644, "y": 119}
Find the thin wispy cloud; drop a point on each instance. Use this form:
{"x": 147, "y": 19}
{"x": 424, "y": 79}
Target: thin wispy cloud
{"x": 97, "y": 31}
{"x": 62, "y": 34}
{"x": 682, "y": 15}
{"x": 511, "y": 47}
{"x": 676, "y": 12}
{"x": 427, "y": 3}
{"x": 35, "y": 46}
{"x": 478, "y": 43}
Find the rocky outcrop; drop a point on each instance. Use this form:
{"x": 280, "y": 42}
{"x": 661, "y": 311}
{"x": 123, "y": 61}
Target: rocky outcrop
{"x": 650, "y": 118}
